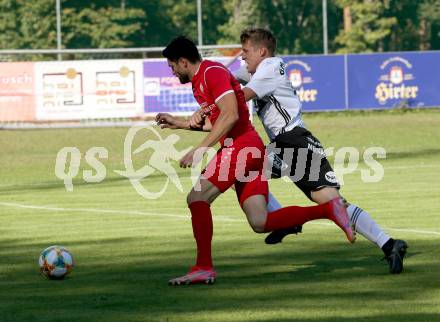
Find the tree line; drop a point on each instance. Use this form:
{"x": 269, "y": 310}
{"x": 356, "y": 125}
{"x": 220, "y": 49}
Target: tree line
{"x": 354, "y": 26}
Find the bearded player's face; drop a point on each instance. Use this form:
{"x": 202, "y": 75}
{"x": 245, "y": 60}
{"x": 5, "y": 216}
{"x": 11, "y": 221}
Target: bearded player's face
{"x": 180, "y": 70}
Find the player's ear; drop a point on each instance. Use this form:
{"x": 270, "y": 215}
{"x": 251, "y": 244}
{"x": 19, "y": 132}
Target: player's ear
{"x": 183, "y": 62}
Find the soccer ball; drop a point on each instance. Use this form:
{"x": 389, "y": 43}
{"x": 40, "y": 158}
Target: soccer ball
{"x": 55, "y": 262}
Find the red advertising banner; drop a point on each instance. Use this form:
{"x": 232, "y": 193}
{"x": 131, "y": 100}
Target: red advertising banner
{"x": 17, "y": 97}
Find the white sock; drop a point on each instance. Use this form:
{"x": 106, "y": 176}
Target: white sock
{"x": 366, "y": 226}
{"x": 273, "y": 203}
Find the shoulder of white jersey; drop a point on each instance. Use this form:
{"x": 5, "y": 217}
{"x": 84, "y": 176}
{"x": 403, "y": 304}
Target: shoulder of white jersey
{"x": 272, "y": 66}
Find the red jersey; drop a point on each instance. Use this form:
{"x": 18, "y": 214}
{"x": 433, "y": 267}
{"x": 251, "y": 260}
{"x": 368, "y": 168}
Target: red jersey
{"x": 210, "y": 83}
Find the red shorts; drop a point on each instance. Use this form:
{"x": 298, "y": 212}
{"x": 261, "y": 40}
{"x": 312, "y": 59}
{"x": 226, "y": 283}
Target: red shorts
{"x": 239, "y": 163}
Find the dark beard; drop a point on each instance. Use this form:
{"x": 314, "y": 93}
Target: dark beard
{"x": 184, "y": 79}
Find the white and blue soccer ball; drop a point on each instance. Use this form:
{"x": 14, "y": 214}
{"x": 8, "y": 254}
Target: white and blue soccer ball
{"x": 55, "y": 262}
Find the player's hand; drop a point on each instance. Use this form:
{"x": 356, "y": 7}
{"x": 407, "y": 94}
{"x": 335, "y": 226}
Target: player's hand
{"x": 166, "y": 121}
{"x": 193, "y": 157}
{"x": 196, "y": 120}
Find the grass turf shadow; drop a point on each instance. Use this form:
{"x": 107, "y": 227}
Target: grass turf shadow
{"x": 291, "y": 276}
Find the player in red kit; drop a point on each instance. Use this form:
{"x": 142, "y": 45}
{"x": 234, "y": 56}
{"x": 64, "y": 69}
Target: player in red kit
{"x": 239, "y": 161}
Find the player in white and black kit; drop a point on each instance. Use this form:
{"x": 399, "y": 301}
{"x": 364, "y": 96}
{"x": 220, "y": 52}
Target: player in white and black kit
{"x": 279, "y": 109}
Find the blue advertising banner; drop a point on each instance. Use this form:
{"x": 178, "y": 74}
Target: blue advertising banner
{"x": 323, "y": 83}
{"x": 387, "y": 80}
{"x": 318, "y": 80}
{"x": 163, "y": 92}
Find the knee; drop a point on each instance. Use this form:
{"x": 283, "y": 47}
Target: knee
{"x": 258, "y": 229}
{"x": 190, "y": 198}
{"x": 195, "y": 196}
{"x": 257, "y": 225}
{"x": 255, "y": 208}
{"x": 324, "y": 195}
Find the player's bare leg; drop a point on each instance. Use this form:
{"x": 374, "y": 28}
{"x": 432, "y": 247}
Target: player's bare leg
{"x": 324, "y": 195}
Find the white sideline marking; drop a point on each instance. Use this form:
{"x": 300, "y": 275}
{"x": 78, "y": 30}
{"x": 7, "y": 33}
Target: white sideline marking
{"x": 398, "y": 167}
{"x": 106, "y": 211}
{"x": 415, "y": 231}
{"x": 187, "y": 217}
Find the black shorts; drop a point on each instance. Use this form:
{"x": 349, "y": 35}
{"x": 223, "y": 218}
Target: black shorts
{"x": 299, "y": 155}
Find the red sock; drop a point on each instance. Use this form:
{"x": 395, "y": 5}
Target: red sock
{"x": 294, "y": 216}
{"x": 201, "y": 219}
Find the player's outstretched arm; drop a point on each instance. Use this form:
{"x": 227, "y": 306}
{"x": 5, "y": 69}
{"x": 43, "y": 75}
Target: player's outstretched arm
{"x": 199, "y": 122}
{"x": 168, "y": 121}
{"x": 249, "y": 94}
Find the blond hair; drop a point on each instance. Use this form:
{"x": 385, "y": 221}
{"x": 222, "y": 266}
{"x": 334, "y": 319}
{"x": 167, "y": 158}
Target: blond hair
{"x": 259, "y": 37}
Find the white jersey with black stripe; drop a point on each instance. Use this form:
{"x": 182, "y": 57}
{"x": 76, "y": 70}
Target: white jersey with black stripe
{"x": 278, "y": 107}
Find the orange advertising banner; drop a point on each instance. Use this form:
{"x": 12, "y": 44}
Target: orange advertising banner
{"x": 17, "y": 96}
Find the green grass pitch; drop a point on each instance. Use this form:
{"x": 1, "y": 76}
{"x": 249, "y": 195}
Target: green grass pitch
{"x": 126, "y": 247}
